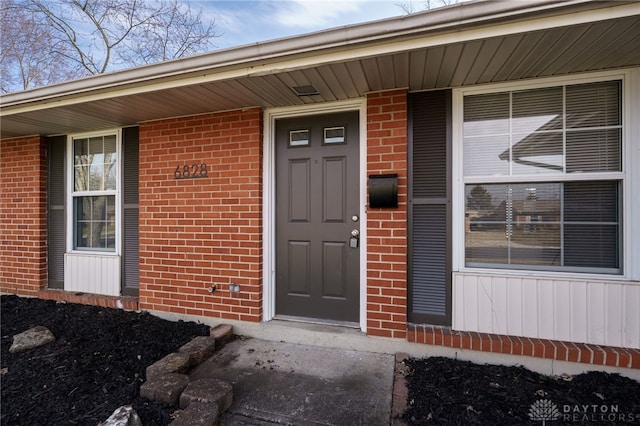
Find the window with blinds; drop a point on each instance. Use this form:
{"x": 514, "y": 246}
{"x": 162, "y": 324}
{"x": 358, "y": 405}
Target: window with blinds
{"x": 543, "y": 178}
{"x": 94, "y": 177}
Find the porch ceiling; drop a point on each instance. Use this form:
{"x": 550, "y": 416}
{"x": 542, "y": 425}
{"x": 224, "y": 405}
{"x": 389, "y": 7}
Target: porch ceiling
{"x": 419, "y": 62}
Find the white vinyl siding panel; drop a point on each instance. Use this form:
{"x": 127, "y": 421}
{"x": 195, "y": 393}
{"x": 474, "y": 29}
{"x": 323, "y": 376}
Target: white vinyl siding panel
{"x": 631, "y": 316}
{"x": 580, "y": 311}
{"x": 96, "y": 274}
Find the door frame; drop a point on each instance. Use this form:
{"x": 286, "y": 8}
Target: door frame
{"x": 269, "y": 196}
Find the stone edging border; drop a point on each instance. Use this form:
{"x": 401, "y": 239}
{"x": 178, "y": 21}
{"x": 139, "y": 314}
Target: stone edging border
{"x": 201, "y": 401}
{"x": 400, "y": 391}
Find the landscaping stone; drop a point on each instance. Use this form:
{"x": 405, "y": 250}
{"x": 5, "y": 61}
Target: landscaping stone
{"x": 400, "y": 391}
{"x": 165, "y": 388}
{"x": 123, "y": 416}
{"x": 222, "y": 333}
{"x": 208, "y": 390}
{"x": 196, "y": 414}
{"x": 199, "y": 349}
{"x": 172, "y": 363}
{"x": 32, "y": 338}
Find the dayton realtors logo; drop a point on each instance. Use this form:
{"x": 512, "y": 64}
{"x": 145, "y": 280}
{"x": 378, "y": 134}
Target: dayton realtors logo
{"x": 544, "y": 410}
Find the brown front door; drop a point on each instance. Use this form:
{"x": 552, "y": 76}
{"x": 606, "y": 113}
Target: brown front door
{"x": 317, "y": 211}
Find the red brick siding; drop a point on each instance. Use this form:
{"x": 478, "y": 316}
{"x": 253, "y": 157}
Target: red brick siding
{"x": 387, "y": 228}
{"x": 117, "y": 302}
{"x": 199, "y": 232}
{"x": 524, "y": 346}
{"x": 23, "y": 215}
{"x": 195, "y": 233}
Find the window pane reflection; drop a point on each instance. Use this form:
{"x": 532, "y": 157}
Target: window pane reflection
{"x": 95, "y": 163}
{"x": 573, "y": 224}
{"x": 95, "y": 219}
{"x": 513, "y": 224}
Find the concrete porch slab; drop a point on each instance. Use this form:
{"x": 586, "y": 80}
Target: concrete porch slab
{"x": 294, "y": 384}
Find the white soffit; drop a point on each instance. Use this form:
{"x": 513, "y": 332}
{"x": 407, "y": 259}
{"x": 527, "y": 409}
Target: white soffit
{"x": 466, "y": 47}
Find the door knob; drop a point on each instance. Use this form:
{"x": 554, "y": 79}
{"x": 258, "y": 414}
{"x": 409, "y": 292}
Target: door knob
{"x": 355, "y": 238}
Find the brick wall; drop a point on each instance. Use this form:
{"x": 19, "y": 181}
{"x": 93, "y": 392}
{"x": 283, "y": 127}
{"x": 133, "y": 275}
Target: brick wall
{"x": 195, "y": 233}
{"x": 525, "y": 346}
{"x": 387, "y": 228}
{"x": 23, "y": 226}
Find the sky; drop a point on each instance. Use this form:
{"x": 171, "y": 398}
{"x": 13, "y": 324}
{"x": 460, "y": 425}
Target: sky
{"x": 241, "y": 22}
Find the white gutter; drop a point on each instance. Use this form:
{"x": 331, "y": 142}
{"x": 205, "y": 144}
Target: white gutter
{"x": 445, "y": 25}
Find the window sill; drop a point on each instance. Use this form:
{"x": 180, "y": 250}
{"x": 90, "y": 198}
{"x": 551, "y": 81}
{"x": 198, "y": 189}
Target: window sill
{"x": 567, "y": 276}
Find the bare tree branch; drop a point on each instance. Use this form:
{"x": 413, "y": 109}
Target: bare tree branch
{"x": 409, "y": 6}
{"x": 85, "y": 37}
{"x": 31, "y": 53}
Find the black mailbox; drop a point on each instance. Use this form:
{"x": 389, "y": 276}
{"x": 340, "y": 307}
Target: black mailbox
{"x": 383, "y": 191}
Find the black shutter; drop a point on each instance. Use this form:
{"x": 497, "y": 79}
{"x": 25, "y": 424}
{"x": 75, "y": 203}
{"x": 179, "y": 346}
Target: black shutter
{"x": 130, "y": 256}
{"x": 56, "y": 200}
{"x": 430, "y": 207}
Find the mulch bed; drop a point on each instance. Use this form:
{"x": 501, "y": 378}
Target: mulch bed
{"x": 446, "y": 391}
{"x": 96, "y": 364}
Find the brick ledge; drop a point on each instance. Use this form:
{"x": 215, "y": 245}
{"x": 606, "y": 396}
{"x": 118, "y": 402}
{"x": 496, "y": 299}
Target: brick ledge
{"x": 129, "y": 303}
{"x": 525, "y": 346}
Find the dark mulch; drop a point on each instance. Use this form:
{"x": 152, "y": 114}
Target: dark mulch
{"x": 446, "y": 391}
{"x": 96, "y": 364}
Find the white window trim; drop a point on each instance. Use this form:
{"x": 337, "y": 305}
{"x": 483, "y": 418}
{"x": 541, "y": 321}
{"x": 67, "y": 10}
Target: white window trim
{"x": 630, "y": 162}
{"x": 71, "y": 193}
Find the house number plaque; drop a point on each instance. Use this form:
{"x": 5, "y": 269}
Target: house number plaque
{"x": 193, "y": 171}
